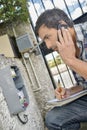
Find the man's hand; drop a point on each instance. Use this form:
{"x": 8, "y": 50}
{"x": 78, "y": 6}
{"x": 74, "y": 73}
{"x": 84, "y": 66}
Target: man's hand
{"x": 61, "y": 92}
{"x": 66, "y": 46}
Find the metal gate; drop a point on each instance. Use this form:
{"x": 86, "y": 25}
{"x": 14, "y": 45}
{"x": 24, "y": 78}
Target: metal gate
{"x": 56, "y": 68}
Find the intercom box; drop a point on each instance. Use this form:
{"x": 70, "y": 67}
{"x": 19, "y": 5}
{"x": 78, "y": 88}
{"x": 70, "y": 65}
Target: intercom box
{"x": 14, "y": 89}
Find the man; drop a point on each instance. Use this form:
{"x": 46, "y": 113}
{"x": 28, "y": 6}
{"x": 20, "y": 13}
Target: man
{"x": 57, "y": 31}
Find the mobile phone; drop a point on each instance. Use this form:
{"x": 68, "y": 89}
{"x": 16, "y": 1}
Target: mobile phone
{"x": 62, "y": 25}
{"x": 59, "y": 27}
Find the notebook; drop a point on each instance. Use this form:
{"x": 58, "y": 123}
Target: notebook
{"x": 61, "y": 102}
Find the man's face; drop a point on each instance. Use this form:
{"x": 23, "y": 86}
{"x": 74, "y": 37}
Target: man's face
{"x": 49, "y": 36}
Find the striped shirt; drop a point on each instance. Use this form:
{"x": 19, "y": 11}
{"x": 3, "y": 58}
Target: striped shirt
{"x": 83, "y": 56}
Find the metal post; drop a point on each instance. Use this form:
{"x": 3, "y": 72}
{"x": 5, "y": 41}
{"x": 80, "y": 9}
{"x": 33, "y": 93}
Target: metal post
{"x": 43, "y": 4}
{"x": 53, "y": 3}
{"x": 67, "y": 9}
{"x": 58, "y": 70}
{"x": 34, "y": 7}
{"x": 80, "y": 7}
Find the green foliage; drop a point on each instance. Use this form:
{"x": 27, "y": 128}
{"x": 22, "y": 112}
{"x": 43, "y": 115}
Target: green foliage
{"x": 13, "y": 10}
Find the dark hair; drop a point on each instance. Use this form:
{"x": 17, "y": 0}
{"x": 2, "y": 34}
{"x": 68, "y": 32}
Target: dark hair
{"x": 51, "y": 18}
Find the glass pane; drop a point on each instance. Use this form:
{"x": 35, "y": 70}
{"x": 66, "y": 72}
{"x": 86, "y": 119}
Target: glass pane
{"x": 74, "y": 8}
{"x": 32, "y": 12}
{"x": 60, "y": 5}
{"x": 84, "y": 5}
{"x": 38, "y": 5}
{"x": 48, "y": 4}
{"x": 35, "y": 9}
{"x": 59, "y": 70}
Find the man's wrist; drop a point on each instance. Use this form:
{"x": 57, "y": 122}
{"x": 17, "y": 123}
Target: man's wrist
{"x": 71, "y": 62}
{"x": 75, "y": 89}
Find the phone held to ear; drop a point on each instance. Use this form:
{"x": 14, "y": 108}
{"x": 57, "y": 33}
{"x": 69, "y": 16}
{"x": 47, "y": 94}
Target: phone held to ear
{"x": 59, "y": 27}
{"x": 62, "y": 25}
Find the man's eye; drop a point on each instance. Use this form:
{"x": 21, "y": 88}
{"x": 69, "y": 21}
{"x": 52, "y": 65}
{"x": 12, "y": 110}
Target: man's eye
{"x": 47, "y": 37}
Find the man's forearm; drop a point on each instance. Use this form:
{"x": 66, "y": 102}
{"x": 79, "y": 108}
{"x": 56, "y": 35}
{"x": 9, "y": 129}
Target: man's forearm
{"x": 75, "y": 89}
{"x": 78, "y": 66}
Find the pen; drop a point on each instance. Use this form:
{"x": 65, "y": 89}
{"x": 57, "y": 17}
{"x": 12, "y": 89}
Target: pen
{"x": 58, "y": 90}
{"x": 59, "y": 86}
{"x": 61, "y": 90}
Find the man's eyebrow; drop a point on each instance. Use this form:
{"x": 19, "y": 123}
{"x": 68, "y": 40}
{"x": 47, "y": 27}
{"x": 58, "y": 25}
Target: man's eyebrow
{"x": 44, "y": 37}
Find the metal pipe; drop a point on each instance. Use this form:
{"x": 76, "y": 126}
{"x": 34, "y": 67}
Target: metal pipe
{"x": 27, "y": 70}
{"x": 35, "y": 90}
{"x": 39, "y": 87}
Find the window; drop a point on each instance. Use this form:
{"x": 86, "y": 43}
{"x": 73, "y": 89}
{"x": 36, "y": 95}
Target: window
{"x": 59, "y": 71}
